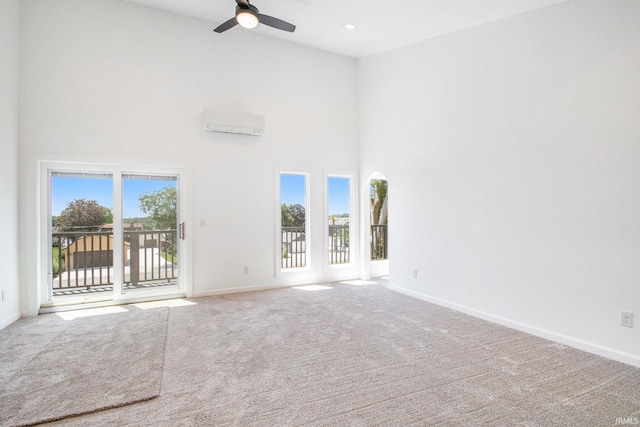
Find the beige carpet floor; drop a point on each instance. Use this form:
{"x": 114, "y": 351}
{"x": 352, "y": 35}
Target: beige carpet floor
{"x": 362, "y": 355}
{"x": 53, "y": 367}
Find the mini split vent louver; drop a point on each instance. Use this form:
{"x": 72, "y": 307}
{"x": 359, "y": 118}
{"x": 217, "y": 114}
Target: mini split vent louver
{"x": 215, "y": 120}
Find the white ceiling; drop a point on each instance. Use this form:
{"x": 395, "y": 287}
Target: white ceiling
{"x": 381, "y": 24}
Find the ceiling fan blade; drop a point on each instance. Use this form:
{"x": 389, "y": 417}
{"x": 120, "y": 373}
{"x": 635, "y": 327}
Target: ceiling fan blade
{"x": 277, "y": 23}
{"x": 226, "y": 25}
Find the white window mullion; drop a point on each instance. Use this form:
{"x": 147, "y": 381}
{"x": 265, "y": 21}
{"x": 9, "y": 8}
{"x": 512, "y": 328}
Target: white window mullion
{"x": 118, "y": 238}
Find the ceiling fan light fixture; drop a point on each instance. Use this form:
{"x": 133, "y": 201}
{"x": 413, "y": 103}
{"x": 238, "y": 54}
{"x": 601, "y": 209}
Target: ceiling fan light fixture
{"x": 247, "y": 18}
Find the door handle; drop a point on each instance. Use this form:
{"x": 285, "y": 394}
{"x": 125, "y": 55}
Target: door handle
{"x": 182, "y": 231}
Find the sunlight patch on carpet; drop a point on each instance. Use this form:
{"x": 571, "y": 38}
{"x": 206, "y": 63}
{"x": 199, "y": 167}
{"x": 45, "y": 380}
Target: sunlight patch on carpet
{"x": 358, "y": 282}
{"x": 75, "y": 314}
{"x": 177, "y": 302}
{"x": 312, "y": 288}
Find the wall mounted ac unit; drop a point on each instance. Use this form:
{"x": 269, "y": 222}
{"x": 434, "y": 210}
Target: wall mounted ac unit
{"x": 216, "y": 120}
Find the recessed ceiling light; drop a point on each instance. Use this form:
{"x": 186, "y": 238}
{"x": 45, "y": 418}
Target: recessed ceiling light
{"x": 350, "y": 26}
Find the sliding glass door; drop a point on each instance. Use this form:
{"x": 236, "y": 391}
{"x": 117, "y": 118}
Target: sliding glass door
{"x": 81, "y": 217}
{"x": 113, "y": 234}
{"x": 150, "y": 231}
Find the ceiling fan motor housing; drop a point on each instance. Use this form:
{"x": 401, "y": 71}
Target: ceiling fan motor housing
{"x": 247, "y": 16}
{"x": 251, "y": 9}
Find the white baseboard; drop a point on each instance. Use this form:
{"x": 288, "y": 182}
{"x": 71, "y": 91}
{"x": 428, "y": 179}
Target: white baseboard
{"x": 9, "y": 320}
{"x": 609, "y": 353}
{"x": 226, "y": 291}
{"x": 254, "y": 288}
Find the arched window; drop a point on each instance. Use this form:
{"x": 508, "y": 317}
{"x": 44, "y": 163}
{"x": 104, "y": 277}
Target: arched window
{"x": 379, "y": 218}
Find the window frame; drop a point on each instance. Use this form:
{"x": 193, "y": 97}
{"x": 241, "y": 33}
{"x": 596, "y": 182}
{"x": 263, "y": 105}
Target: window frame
{"x": 280, "y": 271}
{"x": 117, "y": 171}
{"x": 353, "y": 223}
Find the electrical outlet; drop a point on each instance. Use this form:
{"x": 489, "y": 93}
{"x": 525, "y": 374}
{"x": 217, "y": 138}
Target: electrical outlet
{"x": 626, "y": 319}
{"x": 245, "y": 270}
{"x": 414, "y": 274}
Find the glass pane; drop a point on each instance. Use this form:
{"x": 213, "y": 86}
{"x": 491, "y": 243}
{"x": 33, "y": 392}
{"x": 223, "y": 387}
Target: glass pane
{"x": 339, "y": 204}
{"x": 379, "y": 219}
{"x": 82, "y": 233}
{"x": 150, "y": 236}
{"x": 293, "y": 202}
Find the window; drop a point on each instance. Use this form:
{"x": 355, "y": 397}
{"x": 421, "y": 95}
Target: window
{"x": 379, "y": 219}
{"x": 293, "y": 220}
{"x": 339, "y": 218}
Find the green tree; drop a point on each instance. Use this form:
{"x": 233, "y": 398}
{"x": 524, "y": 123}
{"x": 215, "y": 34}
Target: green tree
{"x": 84, "y": 214}
{"x": 378, "y": 199}
{"x": 108, "y": 215}
{"x": 293, "y": 215}
{"x": 162, "y": 206}
{"x": 298, "y": 214}
{"x": 287, "y": 219}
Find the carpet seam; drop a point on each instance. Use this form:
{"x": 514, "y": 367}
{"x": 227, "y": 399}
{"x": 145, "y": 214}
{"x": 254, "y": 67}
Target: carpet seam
{"x": 93, "y": 411}
{"x": 117, "y": 405}
{"x": 164, "y": 351}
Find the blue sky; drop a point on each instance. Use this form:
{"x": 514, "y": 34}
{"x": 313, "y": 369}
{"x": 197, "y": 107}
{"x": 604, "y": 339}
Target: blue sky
{"x": 292, "y": 188}
{"x": 67, "y": 189}
{"x": 339, "y": 201}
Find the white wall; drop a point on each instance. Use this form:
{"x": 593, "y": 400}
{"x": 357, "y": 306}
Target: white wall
{"x": 110, "y": 81}
{"x": 9, "y": 58}
{"x": 513, "y": 158}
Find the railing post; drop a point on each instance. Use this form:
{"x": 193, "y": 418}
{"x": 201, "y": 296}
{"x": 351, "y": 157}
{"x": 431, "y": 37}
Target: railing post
{"x": 134, "y": 259}
{"x": 379, "y": 241}
{"x": 373, "y": 242}
{"x": 294, "y": 241}
{"x": 79, "y": 253}
{"x": 386, "y": 246}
